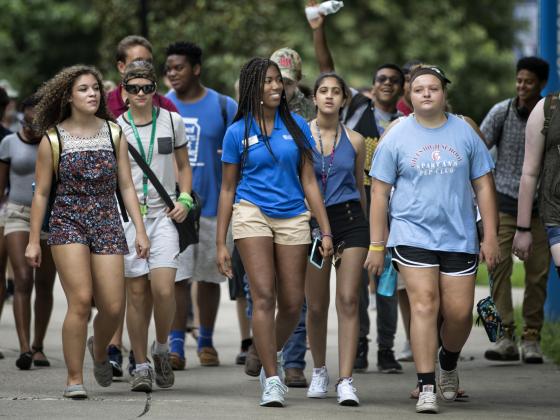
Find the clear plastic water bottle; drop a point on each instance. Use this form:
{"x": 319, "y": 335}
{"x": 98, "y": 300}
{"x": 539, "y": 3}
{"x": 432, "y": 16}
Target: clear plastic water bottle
{"x": 387, "y": 282}
{"x": 325, "y": 8}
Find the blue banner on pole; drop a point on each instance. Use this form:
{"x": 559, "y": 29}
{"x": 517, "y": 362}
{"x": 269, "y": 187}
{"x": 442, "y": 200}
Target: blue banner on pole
{"x": 549, "y": 41}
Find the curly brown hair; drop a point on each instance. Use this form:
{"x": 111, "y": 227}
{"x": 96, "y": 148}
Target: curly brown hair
{"x": 54, "y": 106}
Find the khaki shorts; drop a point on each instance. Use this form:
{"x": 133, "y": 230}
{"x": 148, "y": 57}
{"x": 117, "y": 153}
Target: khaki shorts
{"x": 17, "y": 219}
{"x": 248, "y": 221}
{"x": 3, "y": 206}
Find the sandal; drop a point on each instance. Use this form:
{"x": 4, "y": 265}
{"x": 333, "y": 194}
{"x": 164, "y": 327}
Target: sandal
{"x": 39, "y": 362}
{"x": 24, "y": 360}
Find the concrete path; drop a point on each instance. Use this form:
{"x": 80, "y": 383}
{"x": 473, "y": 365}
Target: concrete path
{"x": 496, "y": 391}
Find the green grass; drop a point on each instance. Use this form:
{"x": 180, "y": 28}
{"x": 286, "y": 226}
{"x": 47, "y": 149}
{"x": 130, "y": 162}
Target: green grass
{"x": 517, "y": 277}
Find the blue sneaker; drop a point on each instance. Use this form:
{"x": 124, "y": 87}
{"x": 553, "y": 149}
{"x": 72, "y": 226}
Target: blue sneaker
{"x": 116, "y": 360}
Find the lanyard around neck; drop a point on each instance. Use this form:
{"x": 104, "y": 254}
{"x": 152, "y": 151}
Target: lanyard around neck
{"x": 325, "y": 174}
{"x": 148, "y": 160}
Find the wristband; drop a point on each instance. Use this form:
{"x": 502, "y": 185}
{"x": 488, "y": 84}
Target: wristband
{"x": 376, "y": 248}
{"x": 377, "y": 243}
{"x": 186, "y": 200}
{"x": 326, "y": 234}
{"x": 523, "y": 229}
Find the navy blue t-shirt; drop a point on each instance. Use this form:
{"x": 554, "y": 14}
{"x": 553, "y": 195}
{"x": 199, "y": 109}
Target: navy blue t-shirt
{"x": 270, "y": 182}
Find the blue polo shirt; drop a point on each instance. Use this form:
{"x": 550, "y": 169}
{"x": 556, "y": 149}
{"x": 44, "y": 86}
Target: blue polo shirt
{"x": 270, "y": 182}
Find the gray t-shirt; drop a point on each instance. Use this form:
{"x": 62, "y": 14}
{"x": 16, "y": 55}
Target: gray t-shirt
{"x": 21, "y": 156}
{"x": 170, "y": 135}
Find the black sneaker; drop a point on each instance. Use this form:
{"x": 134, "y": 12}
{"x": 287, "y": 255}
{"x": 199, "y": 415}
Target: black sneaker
{"x": 386, "y": 362}
{"x": 361, "y": 362}
{"x": 116, "y": 360}
{"x": 131, "y": 363}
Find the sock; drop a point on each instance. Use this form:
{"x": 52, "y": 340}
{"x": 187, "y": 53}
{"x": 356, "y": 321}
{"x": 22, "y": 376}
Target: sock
{"x": 426, "y": 379}
{"x": 143, "y": 366}
{"x": 177, "y": 342}
{"x": 160, "y": 348}
{"x": 448, "y": 359}
{"x": 245, "y": 344}
{"x": 205, "y": 337}
{"x": 273, "y": 377}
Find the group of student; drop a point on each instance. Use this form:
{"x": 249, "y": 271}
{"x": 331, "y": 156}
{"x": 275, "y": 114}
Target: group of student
{"x": 286, "y": 182}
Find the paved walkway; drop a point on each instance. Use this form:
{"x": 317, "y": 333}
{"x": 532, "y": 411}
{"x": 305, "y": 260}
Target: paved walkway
{"x": 496, "y": 391}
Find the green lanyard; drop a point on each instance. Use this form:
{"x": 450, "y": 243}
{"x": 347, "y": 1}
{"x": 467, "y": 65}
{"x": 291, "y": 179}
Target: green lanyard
{"x": 144, "y": 205}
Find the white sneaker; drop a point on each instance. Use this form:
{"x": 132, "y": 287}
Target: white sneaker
{"x": 279, "y": 369}
{"x": 372, "y": 302}
{"x": 427, "y": 400}
{"x": 273, "y": 392}
{"x": 319, "y": 383}
{"x": 347, "y": 393}
{"x": 406, "y": 353}
{"x": 448, "y": 383}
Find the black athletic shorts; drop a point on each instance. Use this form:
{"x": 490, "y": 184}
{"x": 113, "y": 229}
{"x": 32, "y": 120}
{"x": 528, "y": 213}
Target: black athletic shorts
{"x": 449, "y": 263}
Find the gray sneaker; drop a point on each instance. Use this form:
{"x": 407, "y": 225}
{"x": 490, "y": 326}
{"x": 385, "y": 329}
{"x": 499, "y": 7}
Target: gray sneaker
{"x": 75, "y": 392}
{"x": 103, "y": 371}
{"x": 165, "y": 378}
{"x": 503, "y": 350}
{"x": 142, "y": 380}
{"x": 531, "y": 351}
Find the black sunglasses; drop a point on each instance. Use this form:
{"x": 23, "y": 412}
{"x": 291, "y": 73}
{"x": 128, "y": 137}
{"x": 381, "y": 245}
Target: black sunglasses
{"x": 382, "y": 79}
{"x": 135, "y": 89}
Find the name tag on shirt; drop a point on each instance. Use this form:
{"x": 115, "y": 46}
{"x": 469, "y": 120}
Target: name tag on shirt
{"x": 287, "y": 137}
{"x": 252, "y": 140}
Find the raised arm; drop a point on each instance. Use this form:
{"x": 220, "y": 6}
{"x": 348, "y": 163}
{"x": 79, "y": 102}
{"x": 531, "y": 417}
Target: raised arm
{"x": 322, "y": 52}
{"x": 534, "y": 149}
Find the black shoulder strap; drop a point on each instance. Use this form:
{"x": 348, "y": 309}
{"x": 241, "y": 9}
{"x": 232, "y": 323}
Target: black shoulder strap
{"x": 357, "y": 101}
{"x": 550, "y": 105}
{"x": 172, "y": 127}
{"x": 223, "y": 109}
{"x": 114, "y": 144}
{"x": 501, "y": 129}
{"x": 151, "y": 176}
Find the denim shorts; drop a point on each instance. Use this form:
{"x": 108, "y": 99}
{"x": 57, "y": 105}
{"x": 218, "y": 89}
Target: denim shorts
{"x": 553, "y": 234}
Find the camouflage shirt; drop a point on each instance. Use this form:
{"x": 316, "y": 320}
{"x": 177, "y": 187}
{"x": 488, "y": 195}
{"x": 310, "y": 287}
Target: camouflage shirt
{"x": 302, "y": 105}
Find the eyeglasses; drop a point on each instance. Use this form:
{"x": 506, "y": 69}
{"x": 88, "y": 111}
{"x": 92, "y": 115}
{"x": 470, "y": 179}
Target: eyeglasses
{"x": 337, "y": 256}
{"x": 135, "y": 89}
{"x": 382, "y": 79}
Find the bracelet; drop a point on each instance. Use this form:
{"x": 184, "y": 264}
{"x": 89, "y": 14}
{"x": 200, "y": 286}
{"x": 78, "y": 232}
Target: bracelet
{"x": 186, "y": 200}
{"x": 326, "y": 234}
{"x": 523, "y": 229}
{"x": 377, "y": 243}
{"x": 376, "y": 248}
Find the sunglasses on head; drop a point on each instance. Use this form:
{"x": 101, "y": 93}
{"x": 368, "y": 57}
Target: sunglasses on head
{"x": 135, "y": 89}
{"x": 382, "y": 79}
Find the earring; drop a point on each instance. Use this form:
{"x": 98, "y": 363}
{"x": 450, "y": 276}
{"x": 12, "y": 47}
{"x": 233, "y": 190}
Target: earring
{"x": 262, "y": 102}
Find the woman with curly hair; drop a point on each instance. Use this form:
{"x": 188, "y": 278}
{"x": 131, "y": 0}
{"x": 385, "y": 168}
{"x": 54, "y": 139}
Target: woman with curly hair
{"x": 268, "y": 172}
{"x": 85, "y": 232}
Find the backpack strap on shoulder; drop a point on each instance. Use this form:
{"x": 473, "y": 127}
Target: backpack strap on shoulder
{"x": 223, "y": 109}
{"x": 54, "y": 139}
{"x": 115, "y": 130}
{"x": 550, "y": 105}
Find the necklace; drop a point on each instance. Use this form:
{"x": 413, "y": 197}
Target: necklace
{"x": 325, "y": 174}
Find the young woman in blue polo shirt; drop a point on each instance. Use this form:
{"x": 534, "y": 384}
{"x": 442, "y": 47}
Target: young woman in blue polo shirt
{"x": 267, "y": 174}
{"x": 339, "y": 169}
{"x": 434, "y": 160}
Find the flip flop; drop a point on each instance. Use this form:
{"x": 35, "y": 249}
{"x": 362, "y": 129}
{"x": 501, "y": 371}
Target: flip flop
{"x": 40, "y": 362}
{"x": 24, "y": 360}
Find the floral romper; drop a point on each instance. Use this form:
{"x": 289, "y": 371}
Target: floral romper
{"x": 85, "y": 208}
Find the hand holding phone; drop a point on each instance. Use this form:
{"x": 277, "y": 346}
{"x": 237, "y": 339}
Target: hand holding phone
{"x": 316, "y": 258}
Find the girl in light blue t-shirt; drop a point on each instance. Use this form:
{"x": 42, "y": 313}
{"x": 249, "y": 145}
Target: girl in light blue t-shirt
{"x": 433, "y": 160}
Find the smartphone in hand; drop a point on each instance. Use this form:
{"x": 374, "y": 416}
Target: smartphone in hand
{"x": 316, "y": 258}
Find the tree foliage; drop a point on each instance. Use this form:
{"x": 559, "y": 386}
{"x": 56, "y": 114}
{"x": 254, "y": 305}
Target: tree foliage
{"x": 471, "y": 39}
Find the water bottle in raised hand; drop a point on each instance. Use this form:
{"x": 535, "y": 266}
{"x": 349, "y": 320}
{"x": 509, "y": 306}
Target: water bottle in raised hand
{"x": 325, "y": 8}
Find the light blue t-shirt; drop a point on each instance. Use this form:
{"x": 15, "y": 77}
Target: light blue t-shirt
{"x": 205, "y": 128}
{"x": 431, "y": 169}
{"x": 270, "y": 182}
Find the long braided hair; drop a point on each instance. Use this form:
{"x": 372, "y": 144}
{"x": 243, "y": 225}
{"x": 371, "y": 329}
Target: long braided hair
{"x": 251, "y": 85}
